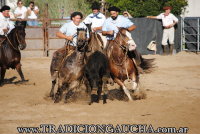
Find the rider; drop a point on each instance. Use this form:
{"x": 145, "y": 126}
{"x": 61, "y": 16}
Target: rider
{"x": 96, "y": 19}
{"x": 69, "y": 32}
{"x": 5, "y": 24}
{"x": 110, "y": 29}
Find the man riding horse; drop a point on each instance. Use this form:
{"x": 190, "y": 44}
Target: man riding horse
{"x": 96, "y": 19}
{"x": 111, "y": 28}
{"x": 69, "y": 32}
{"x": 5, "y": 24}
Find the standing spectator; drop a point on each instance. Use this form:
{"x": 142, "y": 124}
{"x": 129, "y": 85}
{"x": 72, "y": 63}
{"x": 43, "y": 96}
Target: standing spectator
{"x": 20, "y": 13}
{"x": 168, "y": 20}
{"x": 32, "y": 14}
{"x": 127, "y": 14}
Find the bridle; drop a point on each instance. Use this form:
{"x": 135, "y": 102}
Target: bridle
{"x": 17, "y": 49}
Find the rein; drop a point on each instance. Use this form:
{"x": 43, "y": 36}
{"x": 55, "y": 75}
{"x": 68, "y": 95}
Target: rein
{"x": 17, "y": 49}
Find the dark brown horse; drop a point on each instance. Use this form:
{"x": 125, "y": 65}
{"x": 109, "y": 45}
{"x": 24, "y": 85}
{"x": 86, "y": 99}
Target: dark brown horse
{"x": 10, "y": 55}
{"x": 121, "y": 66}
{"x": 71, "y": 71}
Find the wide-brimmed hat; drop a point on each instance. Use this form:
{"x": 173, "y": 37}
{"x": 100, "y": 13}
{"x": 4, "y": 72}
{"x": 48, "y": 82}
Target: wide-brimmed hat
{"x": 4, "y": 8}
{"x": 114, "y": 8}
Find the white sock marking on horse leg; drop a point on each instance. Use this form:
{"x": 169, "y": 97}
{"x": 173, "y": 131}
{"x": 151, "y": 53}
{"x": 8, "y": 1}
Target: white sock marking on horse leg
{"x": 134, "y": 85}
{"x": 127, "y": 93}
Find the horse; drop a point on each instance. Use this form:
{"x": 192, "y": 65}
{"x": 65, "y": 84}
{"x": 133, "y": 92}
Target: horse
{"x": 71, "y": 72}
{"x": 10, "y": 55}
{"x": 121, "y": 66}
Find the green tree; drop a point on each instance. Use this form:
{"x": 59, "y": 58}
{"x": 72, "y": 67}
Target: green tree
{"x": 141, "y": 8}
{"x": 55, "y": 7}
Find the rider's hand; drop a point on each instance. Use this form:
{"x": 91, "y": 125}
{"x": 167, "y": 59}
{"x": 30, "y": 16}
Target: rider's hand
{"x": 70, "y": 38}
{"x": 94, "y": 29}
{"x": 5, "y": 31}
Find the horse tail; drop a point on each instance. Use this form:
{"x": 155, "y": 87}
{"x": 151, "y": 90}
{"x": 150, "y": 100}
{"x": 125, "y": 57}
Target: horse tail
{"x": 147, "y": 64}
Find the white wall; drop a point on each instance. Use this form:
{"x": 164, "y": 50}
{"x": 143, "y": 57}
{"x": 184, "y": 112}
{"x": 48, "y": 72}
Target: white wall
{"x": 193, "y": 9}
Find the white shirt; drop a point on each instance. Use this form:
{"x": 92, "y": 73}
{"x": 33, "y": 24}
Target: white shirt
{"x": 22, "y": 11}
{"x": 5, "y": 23}
{"x": 70, "y": 29}
{"x": 33, "y": 15}
{"x": 167, "y": 20}
{"x": 97, "y": 20}
{"x": 113, "y": 25}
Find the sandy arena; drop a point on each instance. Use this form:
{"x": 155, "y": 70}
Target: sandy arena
{"x": 173, "y": 98}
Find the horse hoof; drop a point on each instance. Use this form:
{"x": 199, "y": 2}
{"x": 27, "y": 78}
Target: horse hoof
{"x": 56, "y": 101}
{"x": 24, "y": 80}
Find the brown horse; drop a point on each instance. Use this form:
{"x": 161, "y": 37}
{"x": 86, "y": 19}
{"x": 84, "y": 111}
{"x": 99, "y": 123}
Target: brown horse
{"x": 10, "y": 55}
{"x": 71, "y": 71}
{"x": 121, "y": 66}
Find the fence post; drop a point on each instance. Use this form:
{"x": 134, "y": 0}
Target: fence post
{"x": 45, "y": 31}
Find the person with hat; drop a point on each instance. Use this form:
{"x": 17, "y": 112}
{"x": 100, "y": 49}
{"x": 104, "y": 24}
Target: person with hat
{"x": 68, "y": 32}
{"x": 96, "y": 18}
{"x": 168, "y": 21}
{"x": 111, "y": 28}
{"x": 5, "y": 24}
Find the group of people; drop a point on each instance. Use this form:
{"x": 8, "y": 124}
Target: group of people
{"x": 106, "y": 28}
{"x": 22, "y": 13}
{"x": 30, "y": 12}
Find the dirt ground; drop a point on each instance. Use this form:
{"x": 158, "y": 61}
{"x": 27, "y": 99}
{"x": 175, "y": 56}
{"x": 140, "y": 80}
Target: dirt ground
{"x": 173, "y": 98}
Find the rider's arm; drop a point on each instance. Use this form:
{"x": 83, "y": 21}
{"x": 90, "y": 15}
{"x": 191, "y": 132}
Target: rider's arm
{"x": 63, "y": 36}
{"x": 152, "y": 17}
{"x": 131, "y": 28}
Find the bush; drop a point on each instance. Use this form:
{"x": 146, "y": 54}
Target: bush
{"x": 142, "y": 8}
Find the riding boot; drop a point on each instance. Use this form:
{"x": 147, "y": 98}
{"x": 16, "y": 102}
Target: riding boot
{"x": 164, "y": 49}
{"x": 171, "y": 48}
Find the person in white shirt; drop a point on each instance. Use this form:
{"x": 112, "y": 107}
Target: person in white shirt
{"x": 68, "y": 32}
{"x": 168, "y": 21}
{"x": 20, "y": 13}
{"x": 32, "y": 12}
{"x": 5, "y": 24}
{"x": 96, "y": 18}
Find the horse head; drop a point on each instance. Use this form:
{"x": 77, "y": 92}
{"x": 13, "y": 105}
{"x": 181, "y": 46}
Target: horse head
{"x": 122, "y": 38}
{"x": 82, "y": 40}
{"x": 89, "y": 27}
{"x": 20, "y": 36}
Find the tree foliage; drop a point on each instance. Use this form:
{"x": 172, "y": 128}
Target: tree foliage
{"x": 141, "y": 8}
{"x": 56, "y": 6}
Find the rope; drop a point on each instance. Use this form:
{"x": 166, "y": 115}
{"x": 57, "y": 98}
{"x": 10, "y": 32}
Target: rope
{"x": 12, "y": 44}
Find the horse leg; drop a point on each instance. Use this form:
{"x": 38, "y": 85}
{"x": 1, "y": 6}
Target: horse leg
{"x": 19, "y": 70}
{"x": 126, "y": 91}
{"x": 2, "y": 73}
{"x": 73, "y": 85}
{"x": 138, "y": 94}
{"x": 105, "y": 89}
{"x": 89, "y": 91}
{"x": 58, "y": 95}
{"x": 52, "y": 89}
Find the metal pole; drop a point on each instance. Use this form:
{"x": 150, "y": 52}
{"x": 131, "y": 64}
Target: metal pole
{"x": 198, "y": 34}
{"x": 181, "y": 34}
